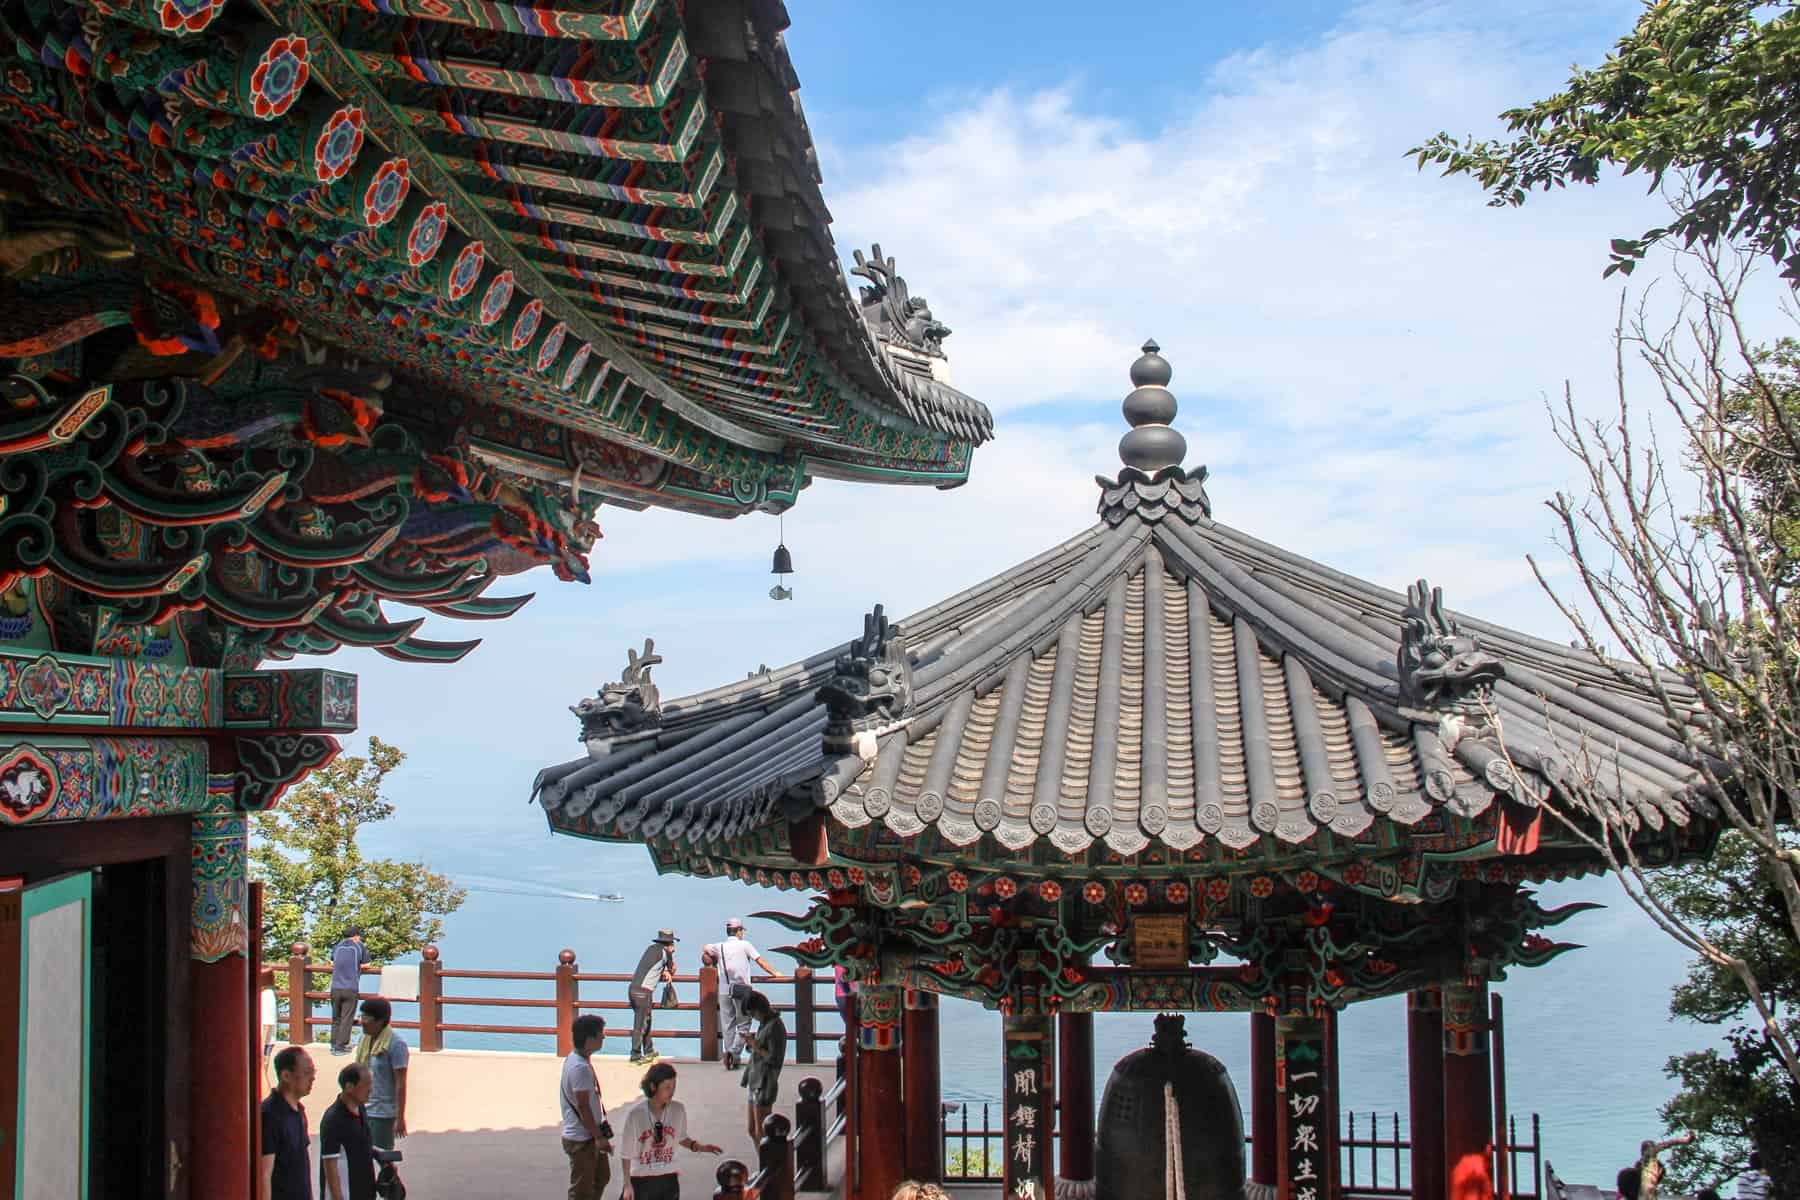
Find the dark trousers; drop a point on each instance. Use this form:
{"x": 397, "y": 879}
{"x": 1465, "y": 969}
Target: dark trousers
{"x": 641, "y": 1046}
{"x": 656, "y": 1187}
{"x": 343, "y": 1017}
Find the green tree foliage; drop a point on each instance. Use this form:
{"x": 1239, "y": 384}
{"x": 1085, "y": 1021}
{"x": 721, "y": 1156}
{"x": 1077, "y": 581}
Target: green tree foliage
{"x": 317, "y": 882}
{"x": 1709, "y": 89}
{"x": 1741, "y": 1098}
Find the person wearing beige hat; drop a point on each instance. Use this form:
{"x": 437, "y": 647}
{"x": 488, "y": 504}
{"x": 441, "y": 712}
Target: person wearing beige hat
{"x": 655, "y": 968}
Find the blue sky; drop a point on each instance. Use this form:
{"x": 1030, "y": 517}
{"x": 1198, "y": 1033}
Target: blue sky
{"x": 1362, "y": 352}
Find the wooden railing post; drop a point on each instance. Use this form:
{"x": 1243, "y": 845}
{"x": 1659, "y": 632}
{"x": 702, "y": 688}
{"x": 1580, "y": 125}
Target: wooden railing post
{"x": 809, "y": 1137}
{"x": 775, "y": 1156}
{"x": 567, "y": 992}
{"x": 732, "y": 1175}
{"x": 709, "y": 1013}
{"x": 431, "y": 1001}
{"x": 299, "y": 1008}
{"x": 805, "y": 1018}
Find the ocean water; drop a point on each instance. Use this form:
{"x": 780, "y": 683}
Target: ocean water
{"x": 1586, "y": 1036}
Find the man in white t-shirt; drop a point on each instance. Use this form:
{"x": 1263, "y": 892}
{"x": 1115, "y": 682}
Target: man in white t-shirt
{"x": 653, "y": 1128}
{"x": 586, "y": 1137}
{"x": 733, "y": 957}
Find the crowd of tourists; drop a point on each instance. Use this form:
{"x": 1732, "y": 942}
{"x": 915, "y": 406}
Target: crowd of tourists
{"x": 655, "y": 1126}
{"x": 357, "y": 1154}
{"x": 357, "y": 1135}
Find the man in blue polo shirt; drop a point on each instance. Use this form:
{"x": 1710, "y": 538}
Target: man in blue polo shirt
{"x": 285, "y": 1172}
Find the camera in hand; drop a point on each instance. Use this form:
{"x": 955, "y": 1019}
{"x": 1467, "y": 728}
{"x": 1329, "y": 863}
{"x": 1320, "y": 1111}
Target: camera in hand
{"x": 606, "y": 1130}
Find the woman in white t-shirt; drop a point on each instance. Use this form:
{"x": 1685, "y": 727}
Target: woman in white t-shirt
{"x": 653, "y": 1128}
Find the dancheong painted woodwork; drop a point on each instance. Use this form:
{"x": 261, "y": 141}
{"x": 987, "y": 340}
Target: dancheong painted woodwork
{"x": 312, "y": 308}
{"x": 1161, "y": 731}
{"x": 308, "y": 307}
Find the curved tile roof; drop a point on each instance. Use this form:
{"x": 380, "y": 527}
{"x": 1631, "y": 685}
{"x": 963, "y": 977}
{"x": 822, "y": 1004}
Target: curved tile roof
{"x": 1161, "y": 678}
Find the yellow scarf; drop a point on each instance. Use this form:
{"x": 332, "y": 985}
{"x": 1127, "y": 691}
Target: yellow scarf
{"x": 369, "y": 1047}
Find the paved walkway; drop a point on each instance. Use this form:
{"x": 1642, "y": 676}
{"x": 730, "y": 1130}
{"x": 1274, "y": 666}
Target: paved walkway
{"x": 485, "y": 1124}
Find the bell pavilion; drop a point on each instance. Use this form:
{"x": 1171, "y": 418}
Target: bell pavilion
{"x": 309, "y": 308}
{"x": 1163, "y": 767}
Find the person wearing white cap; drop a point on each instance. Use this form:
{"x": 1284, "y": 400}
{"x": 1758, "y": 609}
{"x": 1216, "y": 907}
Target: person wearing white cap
{"x": 733, "y": 957}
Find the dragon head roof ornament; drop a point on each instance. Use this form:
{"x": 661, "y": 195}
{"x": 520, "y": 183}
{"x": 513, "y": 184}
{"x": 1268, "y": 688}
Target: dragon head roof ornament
{"x": 892, "y": 314}
{"x": 1442, "y": 670}
{"x": 870, "y": 688}
{"x": 630, "y": 705}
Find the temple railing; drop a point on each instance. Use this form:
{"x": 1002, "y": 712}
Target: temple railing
{"x": 1373, "y": 1163}
{"x": 559, "y": 1001}
{"x": 1380, "y": 1165}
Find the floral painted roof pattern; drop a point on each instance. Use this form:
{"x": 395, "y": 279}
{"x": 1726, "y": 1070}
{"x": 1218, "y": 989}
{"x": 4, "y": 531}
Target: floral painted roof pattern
{"x": 605, "y": 214}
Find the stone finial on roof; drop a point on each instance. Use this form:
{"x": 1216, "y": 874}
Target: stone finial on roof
{"x": 1152, "y": 445}
{"x": 1153, "y": 484}
{"x": 631, "y": 704}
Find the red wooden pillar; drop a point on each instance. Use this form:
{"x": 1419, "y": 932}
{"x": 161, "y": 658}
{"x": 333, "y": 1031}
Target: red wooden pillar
{"x": 709, "y": 1013}
{"x": 1075, "y": 1099}
{"x": 1468, "y": 1095}
{"x": 431, "y": 1001}
{"x": 1265, "y": 1154}
{"x": 1425, "y": 1092}
{"x": 299, "y": 1007}
{"x": 1030, "y": 1103}
{"x": 1303, "y": 1110}
{"x": 924, "y": 1088}
{"x": 880, "y": 1110}
{"x": 567, "y": 992}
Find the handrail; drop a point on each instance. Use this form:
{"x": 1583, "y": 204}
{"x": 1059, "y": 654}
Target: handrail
{"x": 566, "y": 1001}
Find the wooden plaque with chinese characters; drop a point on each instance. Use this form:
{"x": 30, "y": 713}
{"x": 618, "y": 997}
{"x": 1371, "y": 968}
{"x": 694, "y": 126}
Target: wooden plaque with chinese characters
{"x": 1159, "y": 940}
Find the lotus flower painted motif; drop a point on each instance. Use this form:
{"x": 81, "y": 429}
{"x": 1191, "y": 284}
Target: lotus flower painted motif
{"x": 552, "y": 346}
{"x": 279, "y": 76}
{"x": 427, "y": 235}
{"x": 577, "y": 364}
{"x": 338, "y": 145}
{"x": 499, "y": 295}
{"x": 526, "y": 325}
{"x": 187, "y": 16}
{"x": 465, "y": 272}
{"x": 386, "y": 192}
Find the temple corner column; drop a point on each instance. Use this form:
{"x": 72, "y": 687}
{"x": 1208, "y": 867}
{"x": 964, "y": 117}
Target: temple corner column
{"x": 1075, "y": 1104}
{"x": 221, "y": 1040}
{"x": 1265, "y": 1155}
{"x": 1303, "y": 1108}
{"x": 1425, "y": 1091}
{"x": 1468, "y": 1093}
{"x": 922, "y": 1080}
{"x": 1029, "y": 1074}
{"x": 879, "y": 1106}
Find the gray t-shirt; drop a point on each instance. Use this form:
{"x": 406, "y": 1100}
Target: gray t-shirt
{"x": 578, "y": 1076}
{"x": 384, "y": 1099}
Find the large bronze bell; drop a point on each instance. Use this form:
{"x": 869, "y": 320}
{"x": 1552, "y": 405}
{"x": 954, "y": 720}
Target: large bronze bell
{"x": 1170, "y": 1127}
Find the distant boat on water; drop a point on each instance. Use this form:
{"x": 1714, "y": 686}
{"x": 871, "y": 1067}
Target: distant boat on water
{"x": 524, "y": 887}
